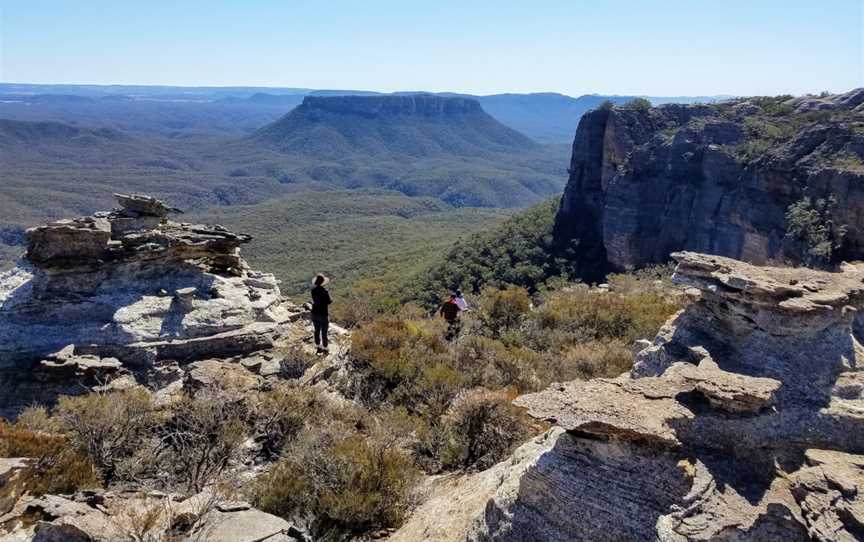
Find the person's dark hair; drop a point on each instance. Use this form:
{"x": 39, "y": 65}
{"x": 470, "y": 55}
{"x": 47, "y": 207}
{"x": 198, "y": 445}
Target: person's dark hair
{"x": 320, "y": 279}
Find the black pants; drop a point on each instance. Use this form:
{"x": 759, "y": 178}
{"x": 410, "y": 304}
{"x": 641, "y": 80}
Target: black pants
{"x": 453, "y": 329}
{"x": 321, "y": 323}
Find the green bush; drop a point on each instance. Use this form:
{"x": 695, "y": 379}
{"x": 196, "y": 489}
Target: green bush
{"x": 512, "y": 343}
{"x": 202, "y": 436}
{"x": 640, "y": 104}
{"x": 595, "y": 359}
{"x": 280, "y": 414}
{"x": 108, "y": 428}
{"x": 350, "y": 482}
{"x": 481, "y": 428}
{"x": 591, "y": 314}
{"x": 811, "y": 223}
{"x": 502, "y": 310}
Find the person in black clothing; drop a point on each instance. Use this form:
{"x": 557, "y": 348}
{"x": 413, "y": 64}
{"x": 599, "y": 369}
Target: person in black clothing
{"x": 320, "y": 314}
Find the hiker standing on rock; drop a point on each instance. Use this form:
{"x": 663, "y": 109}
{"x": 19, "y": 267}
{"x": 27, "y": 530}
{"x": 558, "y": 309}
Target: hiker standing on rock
{"x": 450, "y": 310}
{"x": 320, "y": 313}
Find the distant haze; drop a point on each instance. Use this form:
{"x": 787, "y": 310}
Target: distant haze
{"x": 651, "y": 47}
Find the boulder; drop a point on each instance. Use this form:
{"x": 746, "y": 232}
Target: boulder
{"x": 248, "y": 524}
{"x": 11, "y": 484}
{"x": 80, "y": 240}
{"x": 730, "y": 392}
{"x": 220, "y": 374}
{"x": 830, "y": 489}
{"x": 139, "y": 205}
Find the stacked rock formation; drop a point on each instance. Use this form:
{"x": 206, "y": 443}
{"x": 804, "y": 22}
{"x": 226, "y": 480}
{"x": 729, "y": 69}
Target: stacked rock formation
{"x": 719, "y": 178}
{"x": 744, "y": 420}
{"x": 129, "y": 288}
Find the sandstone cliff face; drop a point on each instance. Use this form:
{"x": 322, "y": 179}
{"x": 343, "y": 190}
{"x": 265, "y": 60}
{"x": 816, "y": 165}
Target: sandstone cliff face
{"x": 744, "y": 420}
{"x": 645, "y": 182}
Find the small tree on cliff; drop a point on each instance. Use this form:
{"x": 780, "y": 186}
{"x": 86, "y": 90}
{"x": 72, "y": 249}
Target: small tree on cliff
{"x": 640, "y": 104}
{"x": 812, "y": 224}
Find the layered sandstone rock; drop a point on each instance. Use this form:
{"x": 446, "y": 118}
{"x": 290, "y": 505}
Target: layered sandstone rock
{"x": 744, "y": 420}
{"x": 710, "y": 178}
{"x": 123, "y": 291}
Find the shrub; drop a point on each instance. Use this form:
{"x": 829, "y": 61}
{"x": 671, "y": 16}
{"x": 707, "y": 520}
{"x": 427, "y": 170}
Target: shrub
{"x": 107, "y": 427}
{"x": 811, "y": 223}
{"x": 203, "y": 435}
{"x": 295, "y": 361}
{"x": 394, "y": 354}
{"x": 640, "y": 104}
{"x": 490, "y": 363}
{"x": 481, "y": 428}
{"x": 592, "y": 314}
{"x": 350, "y": 482}
{"x": 57, "y": 467}
{"x": 595, "y": 359}
{"x": 37, "y": 418}
{"x": 503, "y": 310}
{"x": 849, "y": 162}
{"x": 654, "y": 278}
{"x": 281, "y": 414}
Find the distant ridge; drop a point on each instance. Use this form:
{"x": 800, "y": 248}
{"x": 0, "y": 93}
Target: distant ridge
{"x": 418, "y": 125}
{"x": 15, "y": 132}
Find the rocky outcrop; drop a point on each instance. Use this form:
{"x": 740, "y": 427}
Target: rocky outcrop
{"x": 646, "y": 182}
{"x": 124, "y": 291}
{"x": 109, "y": 516}
{"x": 743, "y": 420}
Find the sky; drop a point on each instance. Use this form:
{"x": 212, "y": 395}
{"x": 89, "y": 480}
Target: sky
{"x": 648, "y": 47}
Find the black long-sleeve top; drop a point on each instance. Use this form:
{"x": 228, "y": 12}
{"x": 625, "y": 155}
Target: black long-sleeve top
{"x": 320, "y": 301}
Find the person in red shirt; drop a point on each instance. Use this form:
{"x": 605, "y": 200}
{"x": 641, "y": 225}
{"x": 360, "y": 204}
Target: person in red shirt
{"x": 450, "y": 312}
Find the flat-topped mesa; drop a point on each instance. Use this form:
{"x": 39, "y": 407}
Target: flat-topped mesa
{"x": 131, "y": 284}
{"x": 138, "y": 230}
{"x": 413, "y": 104}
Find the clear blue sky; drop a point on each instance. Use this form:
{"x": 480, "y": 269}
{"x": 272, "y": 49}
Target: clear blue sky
{"x": 659, "y": 47}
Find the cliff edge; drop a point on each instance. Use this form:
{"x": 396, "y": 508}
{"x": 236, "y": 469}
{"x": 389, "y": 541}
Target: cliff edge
{"x": 645, "y": 182}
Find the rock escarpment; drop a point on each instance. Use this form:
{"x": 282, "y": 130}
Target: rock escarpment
{"x": 130, "y": 289}
{"x": 718, "y": 179}
{"x": 744, "y": 420}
